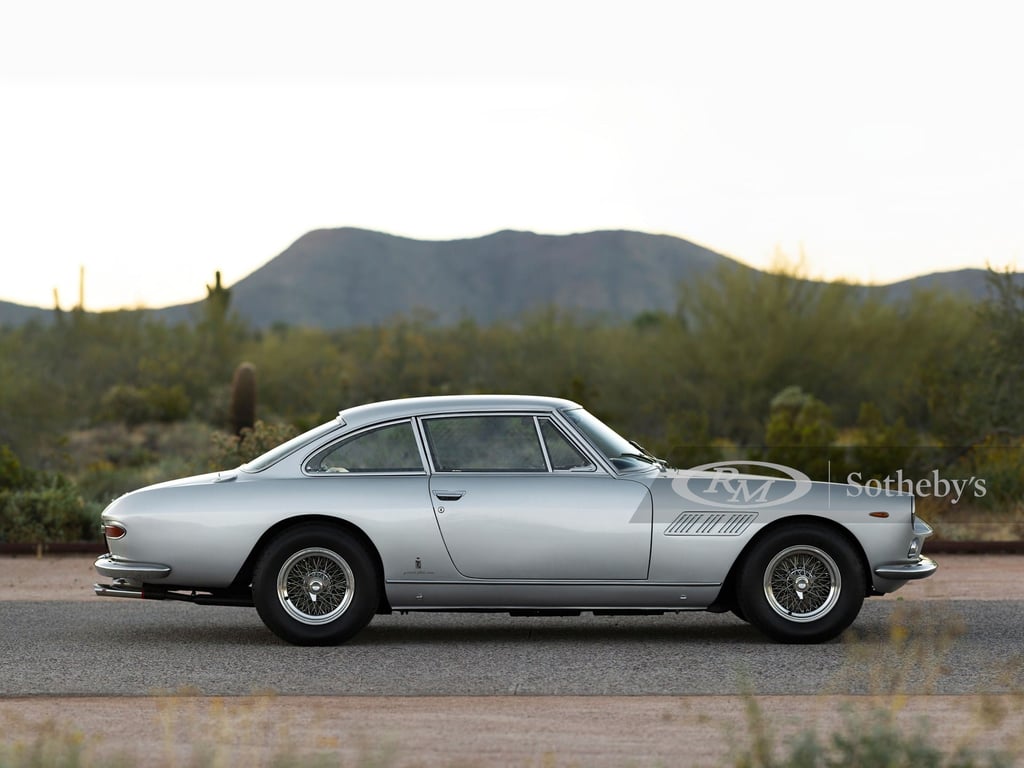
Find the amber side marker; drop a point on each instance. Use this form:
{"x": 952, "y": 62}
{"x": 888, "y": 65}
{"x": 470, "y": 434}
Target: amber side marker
{"x": 878, "y": 514}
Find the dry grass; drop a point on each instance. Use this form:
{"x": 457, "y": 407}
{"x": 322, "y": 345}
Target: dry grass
{"x": 184, "y": 729}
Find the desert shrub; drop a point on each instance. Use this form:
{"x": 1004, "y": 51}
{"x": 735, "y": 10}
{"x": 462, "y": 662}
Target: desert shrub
{"x": 872, "y": 739}
{"x": 37, "y": 507}
{"x": 47, "y": 514}
{"x": 687, "y": 443}
{"x": 12, "y": 474}
{"x": 110, "y": 460}
{"x": 132, "y": 406}
{"x": 882, "y": 446}
{"x": 103, "y": 482}
{"x": 167, "y": 403}
{"x": 125, "y": 404}
{"x": 232, "y": 450}
{"x": 997, "y": 461}
{"x": 799, "y": 432}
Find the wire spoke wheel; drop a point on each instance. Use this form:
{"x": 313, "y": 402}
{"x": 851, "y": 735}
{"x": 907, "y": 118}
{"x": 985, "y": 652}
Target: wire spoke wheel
{"x": 315, "y": 585}
{"x": 802, "y": 583}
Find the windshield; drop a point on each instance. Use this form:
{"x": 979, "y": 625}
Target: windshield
{"x": 274, "y": 455}
{"x": 623, "y": 454}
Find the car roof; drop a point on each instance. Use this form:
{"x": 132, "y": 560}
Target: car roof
{"x": 420, "y": 406}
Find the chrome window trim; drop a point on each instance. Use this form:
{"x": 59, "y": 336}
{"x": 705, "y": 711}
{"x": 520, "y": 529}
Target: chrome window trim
{"x": 543, "y": 445}
{"x": 593, "y": 450}
{"x": 561, "y": 431}
{"x": 327, "y": 447}
{"x": 482, "y": 414}
{"x": 587, "y": 452}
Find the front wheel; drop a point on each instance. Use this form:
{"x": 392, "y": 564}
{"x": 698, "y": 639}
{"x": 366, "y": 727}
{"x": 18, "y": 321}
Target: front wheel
{"x": 801, "y": 584}
{"x": 315, "y": 585}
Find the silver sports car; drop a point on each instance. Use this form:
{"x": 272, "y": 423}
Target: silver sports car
{"x": 525, "y": 505}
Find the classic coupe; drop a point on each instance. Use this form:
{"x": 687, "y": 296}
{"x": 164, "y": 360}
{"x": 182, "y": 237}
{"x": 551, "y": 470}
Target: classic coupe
{"x": 518, "y": 504}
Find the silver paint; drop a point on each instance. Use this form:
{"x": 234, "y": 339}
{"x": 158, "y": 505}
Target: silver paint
{"x": 643, "y": 538}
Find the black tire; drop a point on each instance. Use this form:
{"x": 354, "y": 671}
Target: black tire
{"x": 801, "y": 584}
{"x": 315, "y": 585}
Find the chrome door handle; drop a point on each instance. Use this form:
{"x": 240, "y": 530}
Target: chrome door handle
{"x": 449, "y": 495}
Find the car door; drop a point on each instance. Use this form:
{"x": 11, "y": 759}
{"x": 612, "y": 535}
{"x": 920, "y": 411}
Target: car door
{"x": 516, "y": 499}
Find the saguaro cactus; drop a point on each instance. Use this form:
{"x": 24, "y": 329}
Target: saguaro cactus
{"x": 243, "y": 398}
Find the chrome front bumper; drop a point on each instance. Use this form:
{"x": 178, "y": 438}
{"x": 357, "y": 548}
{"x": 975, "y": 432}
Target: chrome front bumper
{"x": 922, "y": 569}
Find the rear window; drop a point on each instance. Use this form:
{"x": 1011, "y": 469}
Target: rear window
{"x": 274, "y": 455}
{"x": 388, "y": 449}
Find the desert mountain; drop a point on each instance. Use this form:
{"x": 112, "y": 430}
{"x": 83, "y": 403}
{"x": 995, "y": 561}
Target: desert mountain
{"x": 338, "y": 278}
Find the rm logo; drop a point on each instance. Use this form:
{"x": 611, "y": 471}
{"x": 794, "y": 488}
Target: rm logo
{"x": 720, "y": 484}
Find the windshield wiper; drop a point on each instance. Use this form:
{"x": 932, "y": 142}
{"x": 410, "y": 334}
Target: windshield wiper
{"x": 646, "y": 455}
{"x": 641, "y": 456}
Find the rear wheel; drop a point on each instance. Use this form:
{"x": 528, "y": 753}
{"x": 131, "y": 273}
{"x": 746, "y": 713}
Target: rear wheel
{"x": 801, "y": 584}
{"x": 315, "y": 585}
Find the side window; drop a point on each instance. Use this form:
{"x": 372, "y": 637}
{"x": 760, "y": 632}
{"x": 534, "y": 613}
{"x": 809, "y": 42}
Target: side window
{"x": 562, "y": 453}
{"x": 385, "y": 449}
{"x": 485, "y": 444}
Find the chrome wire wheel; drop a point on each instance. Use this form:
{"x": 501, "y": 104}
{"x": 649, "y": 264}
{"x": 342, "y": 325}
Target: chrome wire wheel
{"x": 315, "y": 585}
{"x": 802, "y": 583}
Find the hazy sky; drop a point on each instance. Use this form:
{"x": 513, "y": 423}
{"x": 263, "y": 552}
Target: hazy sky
{"x": 155, "y": 143}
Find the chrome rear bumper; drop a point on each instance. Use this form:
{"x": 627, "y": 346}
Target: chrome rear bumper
{"x": 130, "y": 570}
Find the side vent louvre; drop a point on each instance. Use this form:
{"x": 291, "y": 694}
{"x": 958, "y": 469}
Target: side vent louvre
{"x": 710, "y": 523}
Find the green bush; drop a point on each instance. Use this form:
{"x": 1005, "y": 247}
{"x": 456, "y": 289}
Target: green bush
{"x": 125, "y": 404}
{"x": 167, "y": 403}
{"x": 52, "y": 514}
{"x": 40, "y": 507}
{"x": 799, "y": 433}
{"x": 12, "y": 474}
{"x": 234, "y": 450}
{"x": 132, "y": 406}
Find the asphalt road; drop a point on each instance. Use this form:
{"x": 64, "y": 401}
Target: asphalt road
{"x": 112, "y": 647}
